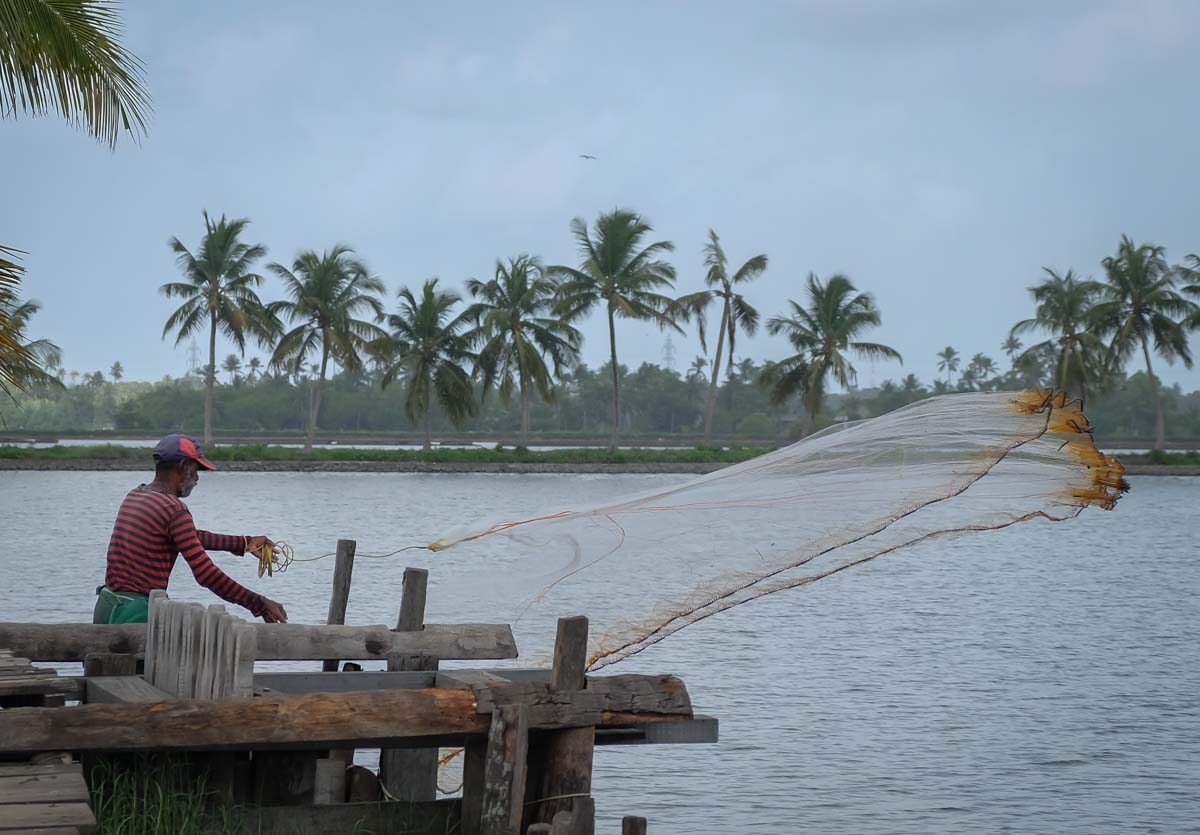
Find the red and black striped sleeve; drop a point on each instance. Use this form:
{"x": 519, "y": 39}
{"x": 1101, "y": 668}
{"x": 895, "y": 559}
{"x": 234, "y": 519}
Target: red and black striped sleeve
{"x": 231, "y": 543}
{"x": 183, "y": 533}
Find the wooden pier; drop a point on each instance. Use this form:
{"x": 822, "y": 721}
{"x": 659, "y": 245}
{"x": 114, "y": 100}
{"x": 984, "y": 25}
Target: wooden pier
{"x": 282, "y": 743}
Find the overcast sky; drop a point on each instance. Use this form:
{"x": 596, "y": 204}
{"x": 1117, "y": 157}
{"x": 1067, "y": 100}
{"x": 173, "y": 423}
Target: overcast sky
{"x": 940, "y": 153}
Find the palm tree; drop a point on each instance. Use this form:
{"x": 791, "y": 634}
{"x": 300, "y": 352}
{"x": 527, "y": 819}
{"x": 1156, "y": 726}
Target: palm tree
{"x": 17, "y": 357}
{"x": 984, "y": 367}
{"x": 616, "y": 271}
{"x": 327, "y": 291}
{"x": 1191, "y": 273}
{"x": 1139, "y": 303}
{"x": 912, "y": 388}
{"x": 429, "y": 346}
{"x": 1064, "y": 308}
{"x": 220, "y": 293}
{"x": 518, "y": 332}
{"x": 117, "y": 371}
{"x": 255, "y": 366}
{"x": 65, "y": 56}
{"x": 25, "y": 366}
{"x": 735, "y": 310}
{"x": 948, "y": 361}
{"x": 837, "y": 314}
{"x": 232, "y": 366}
{"x": 1011, "y": 347}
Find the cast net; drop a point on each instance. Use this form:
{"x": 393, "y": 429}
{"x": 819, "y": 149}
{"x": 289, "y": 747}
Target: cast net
{"x": 644, "y": 567}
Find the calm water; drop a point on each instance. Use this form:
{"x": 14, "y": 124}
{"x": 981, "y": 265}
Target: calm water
{"x": 1041, "y": 679}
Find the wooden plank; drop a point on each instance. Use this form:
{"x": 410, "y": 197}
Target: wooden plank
{"x": 59, "y": 787}
{"x": 320, "y": 720}
{"x": 68, "y": 686}
{"x": 46, "y": 815}
{"x": 339, "y": 596}
{"x": 410, "y": 774}
{"x": 24, "y": 770}
{"x": 329, "y": 785}
{"x": 276, "y": 641}
{"x": 474, "y": 766}
{"x": 504, "y": 772}
{"x": 244, "y": 650}
{"x": 150, "y": 634}
{"x": 124, "y": 690}
{"x": 565, "y": 763}
{"x": 206, "y": 663}
{"x": 699, "y": 730}
{"x": 600, "y": 703}
{"x": 109, "y": 664}
{"x": 222, "y": 648}
{"x": 343, "y": 682}
{"x": 309, "y": 682}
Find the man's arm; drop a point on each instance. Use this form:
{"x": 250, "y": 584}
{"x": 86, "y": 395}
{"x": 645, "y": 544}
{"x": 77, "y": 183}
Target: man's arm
{"x": 232, "y": 543}
{"x": 185, "y": 537}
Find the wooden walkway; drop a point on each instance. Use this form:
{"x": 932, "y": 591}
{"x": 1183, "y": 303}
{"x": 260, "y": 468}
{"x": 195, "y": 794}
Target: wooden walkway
{"x": 24, "y": 685}
{"x": 44, "y": 799}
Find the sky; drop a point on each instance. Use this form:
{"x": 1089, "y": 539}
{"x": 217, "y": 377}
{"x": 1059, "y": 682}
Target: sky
{"x": 939, "y": 153}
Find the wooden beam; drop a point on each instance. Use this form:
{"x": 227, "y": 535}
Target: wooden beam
{"x": 504, "y": 772}
{"x": 564, "y": 763}
{"x": 319, "y": 720}
{"x": 410, "y": 774}
{"x": 276, "y": 642}
{"x": 119, "y": 690}
{"x": 339, "y": 597}
{"x": 474, "y": 767}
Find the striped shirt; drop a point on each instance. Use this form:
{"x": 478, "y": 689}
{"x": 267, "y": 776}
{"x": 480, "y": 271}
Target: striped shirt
{"x": 151, "y": 530}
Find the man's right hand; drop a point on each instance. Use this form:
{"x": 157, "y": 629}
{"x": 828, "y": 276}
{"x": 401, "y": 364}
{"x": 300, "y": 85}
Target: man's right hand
{"x": 273, "y": 612}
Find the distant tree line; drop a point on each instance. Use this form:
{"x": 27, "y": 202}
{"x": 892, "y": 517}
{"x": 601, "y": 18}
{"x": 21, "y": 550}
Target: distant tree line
{"x": 338, "y": 360}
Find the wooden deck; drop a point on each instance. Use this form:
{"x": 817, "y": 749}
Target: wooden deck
{"x": 44, "y": 799}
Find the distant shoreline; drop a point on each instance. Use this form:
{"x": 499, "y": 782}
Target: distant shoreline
{"x": 507, "y": 467}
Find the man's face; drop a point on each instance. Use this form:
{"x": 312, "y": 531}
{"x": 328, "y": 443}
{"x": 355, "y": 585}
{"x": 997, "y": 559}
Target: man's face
{"x": 191, "y": 477}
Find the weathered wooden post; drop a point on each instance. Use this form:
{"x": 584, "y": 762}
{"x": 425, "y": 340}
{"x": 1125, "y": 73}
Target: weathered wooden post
{"x": 561, "y": 762}
{"x": 474, "y": 761}
{"x": 340, "y": 596}
{"x": 504, "y": 771}
{"x": 633, "y": 825}
{"x": 411, "y": 774}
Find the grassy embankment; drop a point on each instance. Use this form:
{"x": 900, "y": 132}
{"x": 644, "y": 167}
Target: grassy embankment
{"x": 506, "y": 455}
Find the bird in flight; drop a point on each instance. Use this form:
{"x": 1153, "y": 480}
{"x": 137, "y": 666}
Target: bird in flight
{"x": 586, "y": 156}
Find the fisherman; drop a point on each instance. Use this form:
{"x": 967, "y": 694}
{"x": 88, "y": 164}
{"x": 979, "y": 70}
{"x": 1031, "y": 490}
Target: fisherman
{"x": 154, "y": 527}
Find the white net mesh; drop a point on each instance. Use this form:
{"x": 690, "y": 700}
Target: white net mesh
{"x": 652, "y": 564}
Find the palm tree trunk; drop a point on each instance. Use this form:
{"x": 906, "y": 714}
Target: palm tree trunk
{"x": 1062, "y": 369}
{"x": 524, "y": 415}
{"x": 711, "y": 405}
{"x": 315, "y": 409}
{"x": 429, "y": 419}
{"x": 210, "y": 375}
{"x": 1160, "y": 423}
{"x": 616, "y": 378}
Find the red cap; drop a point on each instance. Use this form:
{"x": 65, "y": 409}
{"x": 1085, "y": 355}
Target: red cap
{"x": 175, "y": 448}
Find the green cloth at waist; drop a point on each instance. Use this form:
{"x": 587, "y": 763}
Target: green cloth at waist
{"x": 120, "y": 606}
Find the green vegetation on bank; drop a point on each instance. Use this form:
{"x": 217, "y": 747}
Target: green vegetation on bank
{"x": 477, "y": 455}
{"x": 481, "y": 455}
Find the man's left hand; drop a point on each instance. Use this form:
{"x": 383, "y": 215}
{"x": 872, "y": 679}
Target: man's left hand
{"x": 254, "y": 544}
